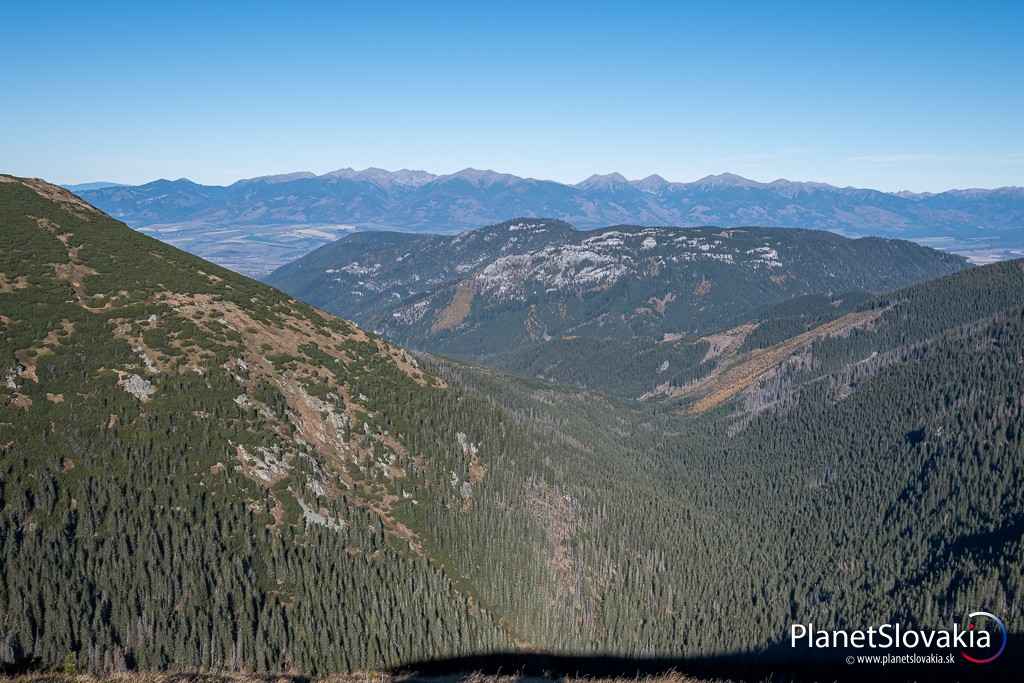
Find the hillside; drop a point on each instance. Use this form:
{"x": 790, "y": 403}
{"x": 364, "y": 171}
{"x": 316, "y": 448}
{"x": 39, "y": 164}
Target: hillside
{"x": 178, "y": 440}
{"x": 198, "y": 472}
{"x": 275, "y": 219}
{"x": 541, "y": 298}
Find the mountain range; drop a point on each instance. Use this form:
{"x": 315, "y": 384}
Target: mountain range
{"x": 260, "y": 215}
{"x": 201, "y": 473}
{"x": 540, "y": 295}
{"x": 417, "y": 200}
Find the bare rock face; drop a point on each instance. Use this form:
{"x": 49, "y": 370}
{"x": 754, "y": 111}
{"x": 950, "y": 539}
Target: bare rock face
{"x": 137, "y": 386}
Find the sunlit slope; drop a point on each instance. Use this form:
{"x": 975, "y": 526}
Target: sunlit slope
{"x": 542, "y": 299}
{"x": 199, "y": 471}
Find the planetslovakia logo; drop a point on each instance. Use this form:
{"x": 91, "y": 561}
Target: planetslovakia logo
{"x": 965, "y": 641}
{"x": 1002, "y": 633}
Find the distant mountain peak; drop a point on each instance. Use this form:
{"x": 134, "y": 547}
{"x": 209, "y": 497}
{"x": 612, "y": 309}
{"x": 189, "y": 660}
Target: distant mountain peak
{"x": 725, "y": 180}
{"x": 603, "y": 182}
{"x": 480, "y": 177}
{"x": 406, "y": 176}
{"x": 383, "y": 177}
{"x": 652, "y": 183}
{"x": 279, "y": 177}
{"x": 907, "y": 194}
{"x": 166, "y": 181}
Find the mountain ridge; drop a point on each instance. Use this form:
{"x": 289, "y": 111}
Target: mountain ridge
{"x": 675, "y": 201}
{"x": 514, "y": 288}
{"x": 723, "y": 178}
{"x": 256, "y": 225}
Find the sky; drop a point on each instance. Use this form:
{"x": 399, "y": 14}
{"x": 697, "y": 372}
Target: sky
{"x": 893, "y": 95}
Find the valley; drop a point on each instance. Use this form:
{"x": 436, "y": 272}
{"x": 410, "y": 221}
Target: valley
{"x": 251, "y": 250}
{"x": 511, "y": 342}
{"x": 214, "y": 475}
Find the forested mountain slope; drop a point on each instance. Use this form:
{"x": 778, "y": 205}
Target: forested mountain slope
{"x": 198, "y": 472}
{"x": 541, "y": 298}
{"x": 872, "y": 472}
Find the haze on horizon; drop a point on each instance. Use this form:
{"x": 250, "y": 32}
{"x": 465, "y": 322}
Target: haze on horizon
{"x": 921, "y": 98}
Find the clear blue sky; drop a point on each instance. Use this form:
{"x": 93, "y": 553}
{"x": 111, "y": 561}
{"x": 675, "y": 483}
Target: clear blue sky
{"x": 890, "y": 95}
